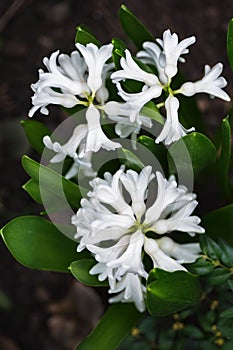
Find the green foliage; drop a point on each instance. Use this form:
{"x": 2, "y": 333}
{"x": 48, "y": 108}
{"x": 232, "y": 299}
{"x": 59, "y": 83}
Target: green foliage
{"x": 134, "y": 28}
{"x": 80, "y": 270}
{"x": 114, "y": 325}
{"x": 130, "y": 159}
{"x": 35, "y": 131}
{"x": 230, "y": 42}
{"x": 53, "y": 184}
{"x": 38, "y": 244}
{"x": 150, "y": 110}
{"x": 216, "y": 261}
{"x": 194, "y": 151}
{"x": 171, "y": 292}
{"x": 224, "y": 157}
{"x": 84, "y": 36}
{"x": 219, "y": 223}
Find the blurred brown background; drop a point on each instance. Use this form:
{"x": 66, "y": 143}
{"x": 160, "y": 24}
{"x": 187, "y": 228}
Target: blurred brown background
{"x": 49, "y": 311}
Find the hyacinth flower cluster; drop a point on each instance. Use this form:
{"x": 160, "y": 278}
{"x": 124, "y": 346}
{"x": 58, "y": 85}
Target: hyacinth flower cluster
{"x": 122, "y": 221}
{"x": 115, "y": 231}
{"x": 80, "y": 79}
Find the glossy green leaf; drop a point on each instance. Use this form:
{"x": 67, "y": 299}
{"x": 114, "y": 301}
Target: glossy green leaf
{"x": 218, "y": 276}
{"x": 230, "y": 42}
{"x": 224, "y": 157}
{"x": 227, "y": 313}
{"x": 150, "y": 110}
{"x": 33, "y": 189}
{"x": 200, "y": 267}
{"x": 173, "y": 292}
{"x": 226, "y": 253}
{"x": 210, "y": 247}
{"x": 84, "y": 36}
{"x": 134, "y": 28}
{"x": 38, "y": 244}
{"x": 112, "y": 328}
{"x": 35, "y": 131}
{"x": 130, "y": 159}
{"x": 119, "y": 48}
{"x": 156, "y": 274}
{"x": 219, "y": 223}
{"x": 194, "y": 151}
{"x": 53, "y": 183}
{"x": 80, "y": 270}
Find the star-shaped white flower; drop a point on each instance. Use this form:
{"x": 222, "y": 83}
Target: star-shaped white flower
{"x": 113, "y": 224}
{"x": 165, "y": 57}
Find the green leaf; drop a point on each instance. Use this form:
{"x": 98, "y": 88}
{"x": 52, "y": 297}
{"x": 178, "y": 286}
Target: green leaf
{"x": 112, "y": 328}
{"x": 156, "y": 274}
{"x": 33, "y": 189}
{"x": 84, "y": 36}
{"x": 189, "y": 113}
{"x": 224, "y": 157}
{"x": 210, "y": 247}
{"x": 230, "y": 42}
{"x": 53, "y": 184}
{"x": 230, "y": 283}
{"x": 38, "y": 244}
{"x": 218, "y": 276}
{"x": 193, "y": 151}
{"x": 35, "y": 131}
{"x": 150, "y": 110}
{"x": 119, "y": 48}
{"x": 225, "y": 325}
{"x": 158, "y": 150}
{"x": 80, "y": 270}
{"x": 192, "y": 332}
{"x": 200, "y": 267}
{"x": 227, "y": 313}
{"x": 219, "y": 223}
{"x": 226, "y": 253}
{"x": 173, "y": 292}
{"x": 130, "y": 159}
{"x": 134, "y": 28}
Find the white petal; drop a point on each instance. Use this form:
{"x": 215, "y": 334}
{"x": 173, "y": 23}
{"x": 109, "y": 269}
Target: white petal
{"x": 96, "y": 138}
{"x": 159, "y": 258}
{"x": 211, "y": 84}
{"x": 95, "y": 59}
{"x": 183, "y": 253}
{"x": 172, "y": 129}
{"x": 70, "y": 148}
{"x": 132, "y": 290}
{"x": 132, "y": 71}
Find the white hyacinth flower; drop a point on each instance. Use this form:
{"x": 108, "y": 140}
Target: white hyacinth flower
{"x": 120, "y": 114}
{"x": 113, "y": 224}
{"x": 78, "y": 79}
{"x": 171, "y": 52}
{"x": 173, "y": 130}
{"x": 211, "y": 84}
{"x": 165, "y": 57}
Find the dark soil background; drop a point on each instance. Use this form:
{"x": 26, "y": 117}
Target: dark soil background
{"x": 51, "y": 311}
